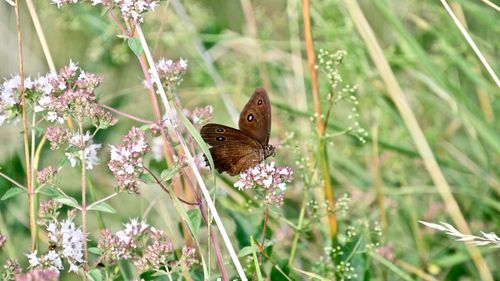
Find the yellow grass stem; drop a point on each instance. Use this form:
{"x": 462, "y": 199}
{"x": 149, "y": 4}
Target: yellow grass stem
{"x": 29, "y": 179}
{"x": 396, "y": 94}
{"x": 320, "y": 123}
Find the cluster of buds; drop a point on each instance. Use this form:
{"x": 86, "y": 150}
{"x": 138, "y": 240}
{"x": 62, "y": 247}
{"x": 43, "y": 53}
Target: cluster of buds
{"x": 265, "y": 176}
{"x": 126, "y": 160}
{"x": 11, "y": 269}
{"x": 46, "y": 175}
{"x": 48, "y": 211}
{"x": 148, "y": 248}
{"x": 199, "y": 116}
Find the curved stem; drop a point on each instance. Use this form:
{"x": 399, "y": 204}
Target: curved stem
{"x": 160, "y": 183}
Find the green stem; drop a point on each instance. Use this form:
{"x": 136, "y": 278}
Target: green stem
{"x": 298, "y": 230}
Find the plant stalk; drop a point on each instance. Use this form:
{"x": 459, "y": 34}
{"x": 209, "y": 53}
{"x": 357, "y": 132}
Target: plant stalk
{"x": 320, "y": 123}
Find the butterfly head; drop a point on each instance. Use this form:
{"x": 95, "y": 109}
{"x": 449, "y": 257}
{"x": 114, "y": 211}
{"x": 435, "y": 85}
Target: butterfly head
{"x": 269, "y": 151}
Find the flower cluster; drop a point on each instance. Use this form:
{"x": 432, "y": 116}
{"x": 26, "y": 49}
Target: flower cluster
{"x": 130, "y": 9}
{"x": 10, "y": 270}
{"x": 46, "y": 175}
{"x": 147, "y": 247}
{"x": 39, "y": 275}
{"x": 126, "y": 160}
{"x": 56, "y": 136}
{"x": 10, "y": 96}
{"x": 339, "y": 91}
{"x": 201, "y": 115}
{"x": 66, "y": 241}
{"x": 271, "y": 179}
{"x": 48, "y": 211}
{"x": 170, "y": 72}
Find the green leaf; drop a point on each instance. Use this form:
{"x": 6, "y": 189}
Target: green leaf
{"x": 135, "y": 45}
{"x": 11, "y": 192}
{"x": 127, "y": 270}
{"x": 195, "y": 218}
{"x": 102, "y": 207}
{"x": 95, "y": 275}
{"x": 68, "y": 201}
{"x": 50, "y": 191}
{"x": 95, "y": 251}
{"x": 168, "y": 174}
{"x": 248, "y": 250}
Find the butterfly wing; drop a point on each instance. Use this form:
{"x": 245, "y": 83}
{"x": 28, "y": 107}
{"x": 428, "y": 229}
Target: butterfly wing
{"x": 232, "y": 150}
{"x": 255, "y": 119}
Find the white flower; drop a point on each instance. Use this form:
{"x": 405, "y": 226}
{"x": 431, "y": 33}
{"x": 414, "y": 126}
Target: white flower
{"x": 33, "y": 259}
{"x": 183, "y": 64}
{"x": 157, "y": 148}
{"x": 91, "y": 158}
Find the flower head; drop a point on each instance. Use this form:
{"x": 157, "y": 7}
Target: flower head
{"x": 147, "y": 247}
{"x": 271, "y": 179}
{"x": 126, "y": 160}
{"x": 171, "y": 72}
{"x": 50, "y": 274}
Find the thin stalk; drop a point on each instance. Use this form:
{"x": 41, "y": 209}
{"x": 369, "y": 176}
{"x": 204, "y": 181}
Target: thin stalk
{"x": 320, "y": 123}
{"x": 127, "y": 115}
{"x": 25, "y": 130}
{"x": 296, "y": 236}
{"x": 84, "y": 201}
{"x": 191, "y": 162}
{"x": 471, "y": 43}
{"x": 206, "y": 217}
{"x": 263, "y": 241}
{"x": 215, "y": 242}
{"x": 377, "y": 178}
{"x": 102, "y": 200}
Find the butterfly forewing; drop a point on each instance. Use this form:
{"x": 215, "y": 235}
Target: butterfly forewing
{"x": 232, "y": 150}
{"x": 255, "y": 119}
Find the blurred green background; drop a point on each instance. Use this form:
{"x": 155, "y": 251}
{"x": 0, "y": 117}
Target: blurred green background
{"x": 233, "y": 47}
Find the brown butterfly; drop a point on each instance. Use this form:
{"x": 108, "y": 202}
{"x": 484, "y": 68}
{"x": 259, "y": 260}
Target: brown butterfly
{"x": 233, "y": 150}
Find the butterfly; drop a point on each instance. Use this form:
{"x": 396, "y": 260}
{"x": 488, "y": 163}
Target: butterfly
{"x": 235, "y": 151}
